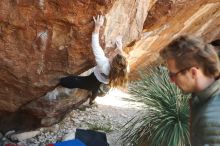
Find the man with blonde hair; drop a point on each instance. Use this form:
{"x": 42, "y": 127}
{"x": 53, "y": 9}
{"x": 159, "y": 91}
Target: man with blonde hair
{"x": 194, "y": 67}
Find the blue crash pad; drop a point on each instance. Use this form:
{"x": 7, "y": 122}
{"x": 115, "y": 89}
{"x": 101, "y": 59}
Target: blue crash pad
{"x": 75, "y": 142}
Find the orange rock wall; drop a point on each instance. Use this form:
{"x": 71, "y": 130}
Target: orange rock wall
{"x": 168, "y": 19}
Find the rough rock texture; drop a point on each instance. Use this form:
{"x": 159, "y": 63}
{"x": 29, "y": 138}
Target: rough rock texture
{"x": 108, "y": 115}
{"x": 42, "y": 40}
{"x": 168, "y": 19}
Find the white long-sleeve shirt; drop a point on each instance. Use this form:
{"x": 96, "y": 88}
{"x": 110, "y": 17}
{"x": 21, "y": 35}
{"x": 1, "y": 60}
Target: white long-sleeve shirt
{"x": 102, "y": 69}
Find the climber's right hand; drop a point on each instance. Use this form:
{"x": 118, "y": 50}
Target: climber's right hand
{"x": 118, "y": 42}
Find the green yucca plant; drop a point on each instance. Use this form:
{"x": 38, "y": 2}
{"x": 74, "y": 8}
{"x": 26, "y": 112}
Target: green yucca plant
{"x": 165, "y": 118}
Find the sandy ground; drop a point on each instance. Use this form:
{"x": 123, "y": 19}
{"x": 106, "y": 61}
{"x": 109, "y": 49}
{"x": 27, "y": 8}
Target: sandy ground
{"x": 119, "y": 110}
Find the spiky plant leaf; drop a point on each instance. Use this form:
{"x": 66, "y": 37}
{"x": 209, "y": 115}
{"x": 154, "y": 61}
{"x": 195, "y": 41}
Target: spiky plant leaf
{"x": 165, "y": 118}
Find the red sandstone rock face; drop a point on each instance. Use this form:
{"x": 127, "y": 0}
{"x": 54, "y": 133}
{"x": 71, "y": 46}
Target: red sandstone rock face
{"x": 168, "y": 19}
{"x": 42, "y": 40}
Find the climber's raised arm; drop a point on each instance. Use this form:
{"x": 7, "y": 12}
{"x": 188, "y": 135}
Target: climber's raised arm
{"x": 99, "y": 21}
{"x": 101, "y": 59}
{"x": 119, "y": 46}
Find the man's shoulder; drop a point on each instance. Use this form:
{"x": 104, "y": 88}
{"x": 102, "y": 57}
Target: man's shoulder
{"x": 215, "y": 98}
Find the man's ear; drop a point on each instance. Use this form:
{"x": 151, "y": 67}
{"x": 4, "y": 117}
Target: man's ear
{"x": 194, "y": 72}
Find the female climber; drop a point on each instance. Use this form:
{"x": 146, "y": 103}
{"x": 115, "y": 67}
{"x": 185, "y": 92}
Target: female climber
{"x": 112, "y": 71}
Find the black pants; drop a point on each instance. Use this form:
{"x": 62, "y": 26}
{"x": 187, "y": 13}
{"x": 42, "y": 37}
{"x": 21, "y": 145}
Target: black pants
{"x": 89, "y": 83}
